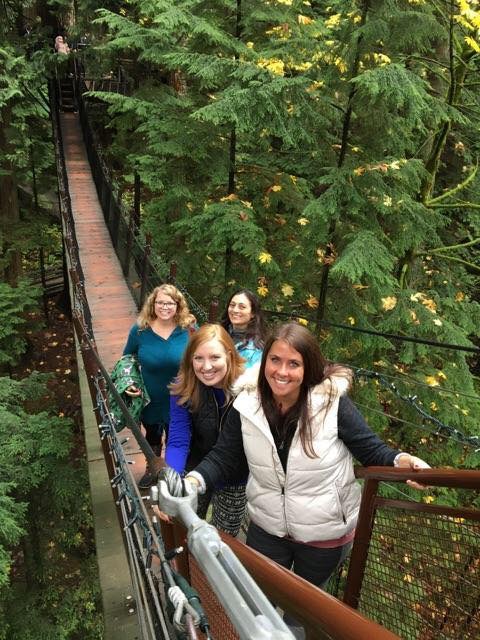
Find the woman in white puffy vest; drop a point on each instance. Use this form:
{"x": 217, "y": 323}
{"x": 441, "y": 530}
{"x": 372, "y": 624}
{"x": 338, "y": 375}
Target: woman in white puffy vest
{"x": 297, "y": 431}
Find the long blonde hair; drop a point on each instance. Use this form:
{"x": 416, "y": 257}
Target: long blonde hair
{"x": 183, "y": 317}
{"x": 187, "y": 385}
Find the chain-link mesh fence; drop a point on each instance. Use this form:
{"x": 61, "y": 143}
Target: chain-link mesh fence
{"x": 422, "y": 578}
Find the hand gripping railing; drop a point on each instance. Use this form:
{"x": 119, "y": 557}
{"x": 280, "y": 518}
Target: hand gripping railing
{"x": 247, "y": 607}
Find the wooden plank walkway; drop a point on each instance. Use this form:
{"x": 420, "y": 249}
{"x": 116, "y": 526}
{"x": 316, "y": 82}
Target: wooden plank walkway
{"x": 111, "y": 304}
{"x": 113, "y": 312}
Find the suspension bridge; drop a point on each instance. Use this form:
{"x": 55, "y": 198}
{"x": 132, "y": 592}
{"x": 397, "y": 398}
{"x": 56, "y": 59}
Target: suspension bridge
{"x": 413, "y": 572}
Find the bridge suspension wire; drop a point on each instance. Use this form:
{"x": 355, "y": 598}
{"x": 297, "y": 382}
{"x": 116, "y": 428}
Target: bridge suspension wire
{"x": 406, "y": 379}
{"x": 441, "y": 429}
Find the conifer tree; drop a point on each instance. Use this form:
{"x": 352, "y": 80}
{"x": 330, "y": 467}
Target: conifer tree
{"x": 355, "y": 166}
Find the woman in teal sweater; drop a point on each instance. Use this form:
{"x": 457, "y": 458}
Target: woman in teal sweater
{"x": 158, "y": 339}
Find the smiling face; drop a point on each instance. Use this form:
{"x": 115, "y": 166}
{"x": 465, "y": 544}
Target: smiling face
{"x": 284, "y": 373}
{"x": 165, "y": 307}
{"x": 210, "y": 363}
{"x": 240, "y": 311}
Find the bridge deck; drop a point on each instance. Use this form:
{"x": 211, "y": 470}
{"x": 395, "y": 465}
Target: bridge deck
{"x": 111, "y": 304}
{"x": 113, "y": 312}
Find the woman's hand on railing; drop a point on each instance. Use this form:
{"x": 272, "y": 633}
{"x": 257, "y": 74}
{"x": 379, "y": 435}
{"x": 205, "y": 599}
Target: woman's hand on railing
{"x": 407, "y": 461}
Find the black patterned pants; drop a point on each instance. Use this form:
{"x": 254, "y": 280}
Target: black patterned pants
{"x": 228, "y": 507}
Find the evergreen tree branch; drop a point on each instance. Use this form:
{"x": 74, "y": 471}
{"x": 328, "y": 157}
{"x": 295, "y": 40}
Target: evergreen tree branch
{"x": 470, "y": 265}
{"x": 452, "y": 247}
{"x": 455, "y": 205}
{"x": 456, "y": 189}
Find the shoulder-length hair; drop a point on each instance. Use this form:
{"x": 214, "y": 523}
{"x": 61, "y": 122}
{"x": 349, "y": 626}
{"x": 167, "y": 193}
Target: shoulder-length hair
{"x": 187, "y": 385}
{"x": 256, "y": 330}
{"x": 147, "y": 315}
{"x": 316, "y": 369}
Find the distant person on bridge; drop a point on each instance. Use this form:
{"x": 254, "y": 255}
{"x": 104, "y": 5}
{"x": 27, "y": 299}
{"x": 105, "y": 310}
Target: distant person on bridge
{"x": 61, "y": 45}
{"x": 294, "y": 429}
{"x": 200, "y": 404}
{"x": 244, "y": 321}
{"x": 158, "y": 339}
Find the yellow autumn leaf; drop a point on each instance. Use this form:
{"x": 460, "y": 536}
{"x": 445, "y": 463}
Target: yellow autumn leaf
{"x": 473, "y": 44}
{"x": 287, "y": 290}
{"x": 277, "y": 187}
{"x": 407, "y": 578}
{"x": 274, "y": 65}
{"x": 417, "y": 297}
{"x": 434, "y": 406}
{"x": 389, "y": 303}
{"x": 262, "y": 290}
{"x": 303, "y": 221}
{"x": 431, "y": 381}
{"x": 312, "y": 302}
{"x": 437, "y": 321}
{"x": 304, "y": 19}
{"x": 351, "y": 320}
{"x": 231, "y": 196}
{"x": 428, "y": 499}
{"x": 429, "y": 304}
{"x": 249, "y": 45}
{"x": 302, "y": 321}
{"x": 459, "y": 296}
{"x": 333, "y": 21}
{"x": 441, "y": 375}
{"x": 264, "y": 257}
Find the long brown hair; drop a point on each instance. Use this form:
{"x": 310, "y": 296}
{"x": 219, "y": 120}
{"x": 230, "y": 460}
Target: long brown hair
{"x": 316, "y": 369}
{"x": 187, "y": 385}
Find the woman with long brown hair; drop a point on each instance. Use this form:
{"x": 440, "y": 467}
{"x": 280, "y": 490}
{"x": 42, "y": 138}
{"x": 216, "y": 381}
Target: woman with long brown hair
{"x": 294, "y": 429}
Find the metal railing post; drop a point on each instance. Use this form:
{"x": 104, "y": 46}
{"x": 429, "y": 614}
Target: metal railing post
{"x": 363, "y": 534}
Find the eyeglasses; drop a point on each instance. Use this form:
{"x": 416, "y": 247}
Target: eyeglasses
{"x": 165, "y": 305}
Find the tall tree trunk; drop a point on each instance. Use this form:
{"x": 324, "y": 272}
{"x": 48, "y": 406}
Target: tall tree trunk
{"x": 347, "y": 119}
{"x": 9, "y": 209}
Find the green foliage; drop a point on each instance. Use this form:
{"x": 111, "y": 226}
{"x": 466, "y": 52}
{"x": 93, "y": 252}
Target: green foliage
{"x": 43, "y": 508}
{"x": 16, "y": 303}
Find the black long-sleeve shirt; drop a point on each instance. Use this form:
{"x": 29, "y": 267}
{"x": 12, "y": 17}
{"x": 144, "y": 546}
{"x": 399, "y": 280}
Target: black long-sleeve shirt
{"x": 226, "y": 462}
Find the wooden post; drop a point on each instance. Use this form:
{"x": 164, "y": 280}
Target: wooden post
{"x": 136, "y": 201}
{"x": 128, "y": 249}
{"x": 146, "y": 254}
{"x": 213, "y": 310}
{"x": 172, "y": 276}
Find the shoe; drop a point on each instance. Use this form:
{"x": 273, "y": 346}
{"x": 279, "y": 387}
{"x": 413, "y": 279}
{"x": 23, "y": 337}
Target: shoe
{"x": 147, "y": 480}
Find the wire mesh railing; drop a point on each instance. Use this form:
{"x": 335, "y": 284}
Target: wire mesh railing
{"x": 415, "y": 566}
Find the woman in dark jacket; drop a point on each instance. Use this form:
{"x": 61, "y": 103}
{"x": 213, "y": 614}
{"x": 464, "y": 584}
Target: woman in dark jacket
{"x": 200, "y": 402}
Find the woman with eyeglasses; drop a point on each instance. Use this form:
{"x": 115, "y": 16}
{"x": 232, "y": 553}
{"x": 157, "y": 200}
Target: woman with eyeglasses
{"x": 158, "y": 339}
{"x": 243, "y": 319}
